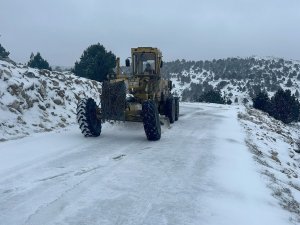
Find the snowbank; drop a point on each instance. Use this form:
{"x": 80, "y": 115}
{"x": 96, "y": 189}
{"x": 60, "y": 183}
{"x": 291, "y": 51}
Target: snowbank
{"x": 275, "y": 146}
{"x": 33, "y": 100}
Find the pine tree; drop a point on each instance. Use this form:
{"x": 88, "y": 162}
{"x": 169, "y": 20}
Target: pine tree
{"x": 37, "y": 61}
{"x": 289, "y": 83}
{"x": 3, "y": 52}
{"x": 285, "y": 106}
{"x": 261, "y": 101}
{"x": 95, "y": 63}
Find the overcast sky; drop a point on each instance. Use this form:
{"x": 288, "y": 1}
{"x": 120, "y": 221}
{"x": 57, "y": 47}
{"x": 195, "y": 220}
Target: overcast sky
{"x": 190, "y": 29}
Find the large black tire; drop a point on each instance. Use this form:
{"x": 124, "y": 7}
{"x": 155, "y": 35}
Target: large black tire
{"x": 89, "y": 124}
{"x": 171, "y": 109}
{"x": 176, "y": 108}
{"x": 151, "y": 121}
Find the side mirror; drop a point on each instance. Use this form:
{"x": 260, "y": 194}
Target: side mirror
{"x": 170, "y": 85}
{"x": 127, "y": 63}
{"x": 111, "y": 76}
{"x": 161, "y": 63}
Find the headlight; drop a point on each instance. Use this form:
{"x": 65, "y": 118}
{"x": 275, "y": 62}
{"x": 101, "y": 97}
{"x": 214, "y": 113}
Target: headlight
{"x": 133, "y": 83}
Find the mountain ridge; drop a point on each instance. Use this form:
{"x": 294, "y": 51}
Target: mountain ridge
{"x": 236, "y": 78}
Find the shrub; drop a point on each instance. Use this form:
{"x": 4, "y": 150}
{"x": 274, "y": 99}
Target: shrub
{"x": 212, "y": 96}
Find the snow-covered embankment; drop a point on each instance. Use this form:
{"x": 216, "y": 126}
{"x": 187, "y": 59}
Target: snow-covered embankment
{"x": 33, "y": 100}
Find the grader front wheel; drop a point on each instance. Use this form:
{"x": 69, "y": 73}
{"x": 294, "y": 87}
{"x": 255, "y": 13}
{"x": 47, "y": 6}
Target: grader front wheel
{"x": 87, "y": 119}
{"x": 151, "y": 121}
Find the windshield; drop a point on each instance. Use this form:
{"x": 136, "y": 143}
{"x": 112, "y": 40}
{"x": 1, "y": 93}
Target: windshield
{"x": 144, "y": 64}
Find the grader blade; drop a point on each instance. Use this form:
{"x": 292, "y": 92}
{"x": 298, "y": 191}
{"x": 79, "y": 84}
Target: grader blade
{"x": 113, "y": 101}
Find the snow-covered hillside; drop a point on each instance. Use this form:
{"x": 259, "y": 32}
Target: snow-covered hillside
{"x": 200, "y": 172}
{"x": 275, "y": 147}
{"x": 34, "y": 100}
{"x": 237, "y": 78}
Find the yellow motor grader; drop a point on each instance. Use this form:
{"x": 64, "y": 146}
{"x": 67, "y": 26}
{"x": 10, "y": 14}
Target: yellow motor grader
{"x": 143, "y": 96}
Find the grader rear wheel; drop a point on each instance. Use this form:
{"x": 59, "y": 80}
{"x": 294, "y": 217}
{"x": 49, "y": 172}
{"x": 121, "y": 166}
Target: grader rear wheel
{"x": 176, "y": 108}
{"x": 170, "y": 104}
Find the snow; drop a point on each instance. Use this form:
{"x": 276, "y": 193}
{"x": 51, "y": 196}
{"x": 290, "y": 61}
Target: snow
{"x": 275, "y": 147}
{"x": 216, "y": 165}
{"x": 200, "y": 172}
{"x": 33, "y": 100}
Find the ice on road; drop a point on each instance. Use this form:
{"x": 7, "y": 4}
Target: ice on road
{"x": 200, "y": 172}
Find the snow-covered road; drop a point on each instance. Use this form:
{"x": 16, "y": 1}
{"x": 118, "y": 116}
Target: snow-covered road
{"x": 200, "y": 172}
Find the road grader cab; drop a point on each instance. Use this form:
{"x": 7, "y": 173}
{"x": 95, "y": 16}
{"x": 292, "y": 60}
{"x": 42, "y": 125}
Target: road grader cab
{"x": 144, "y": 96}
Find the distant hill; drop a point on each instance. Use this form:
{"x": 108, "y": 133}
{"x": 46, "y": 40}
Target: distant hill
{"x": 237, "y": 78}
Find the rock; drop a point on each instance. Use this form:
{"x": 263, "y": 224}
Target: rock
{"x": 42, "y": 107}
{"x": 15, "y": 89}
{"x": 21, "y": 121}
{"x": 78, "y": 81}
{"x": 28, "y": 100}
{"x": 16, "y": 106}
{"x": 61, "y": 93}
{"x": 55, "y": 83}
{"x": 30, "y": 75}
{"x": 275, "y": 158}
{"x": 94, "y": 83}
{"x": 47, "y": 129}
{"x": 45, "y": 72}
{"x": 7, "y": 73}
{"x": 77, "y": 97}
{"x": 57, "y": 101}
{"x": 61, "y": 77}
{"x": 42, "y": 91}
{"x": 61, "y": 125}
{"x": 13, "y": 110}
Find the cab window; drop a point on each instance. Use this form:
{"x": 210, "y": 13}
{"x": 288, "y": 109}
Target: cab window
{"x": 144, "y": 63}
